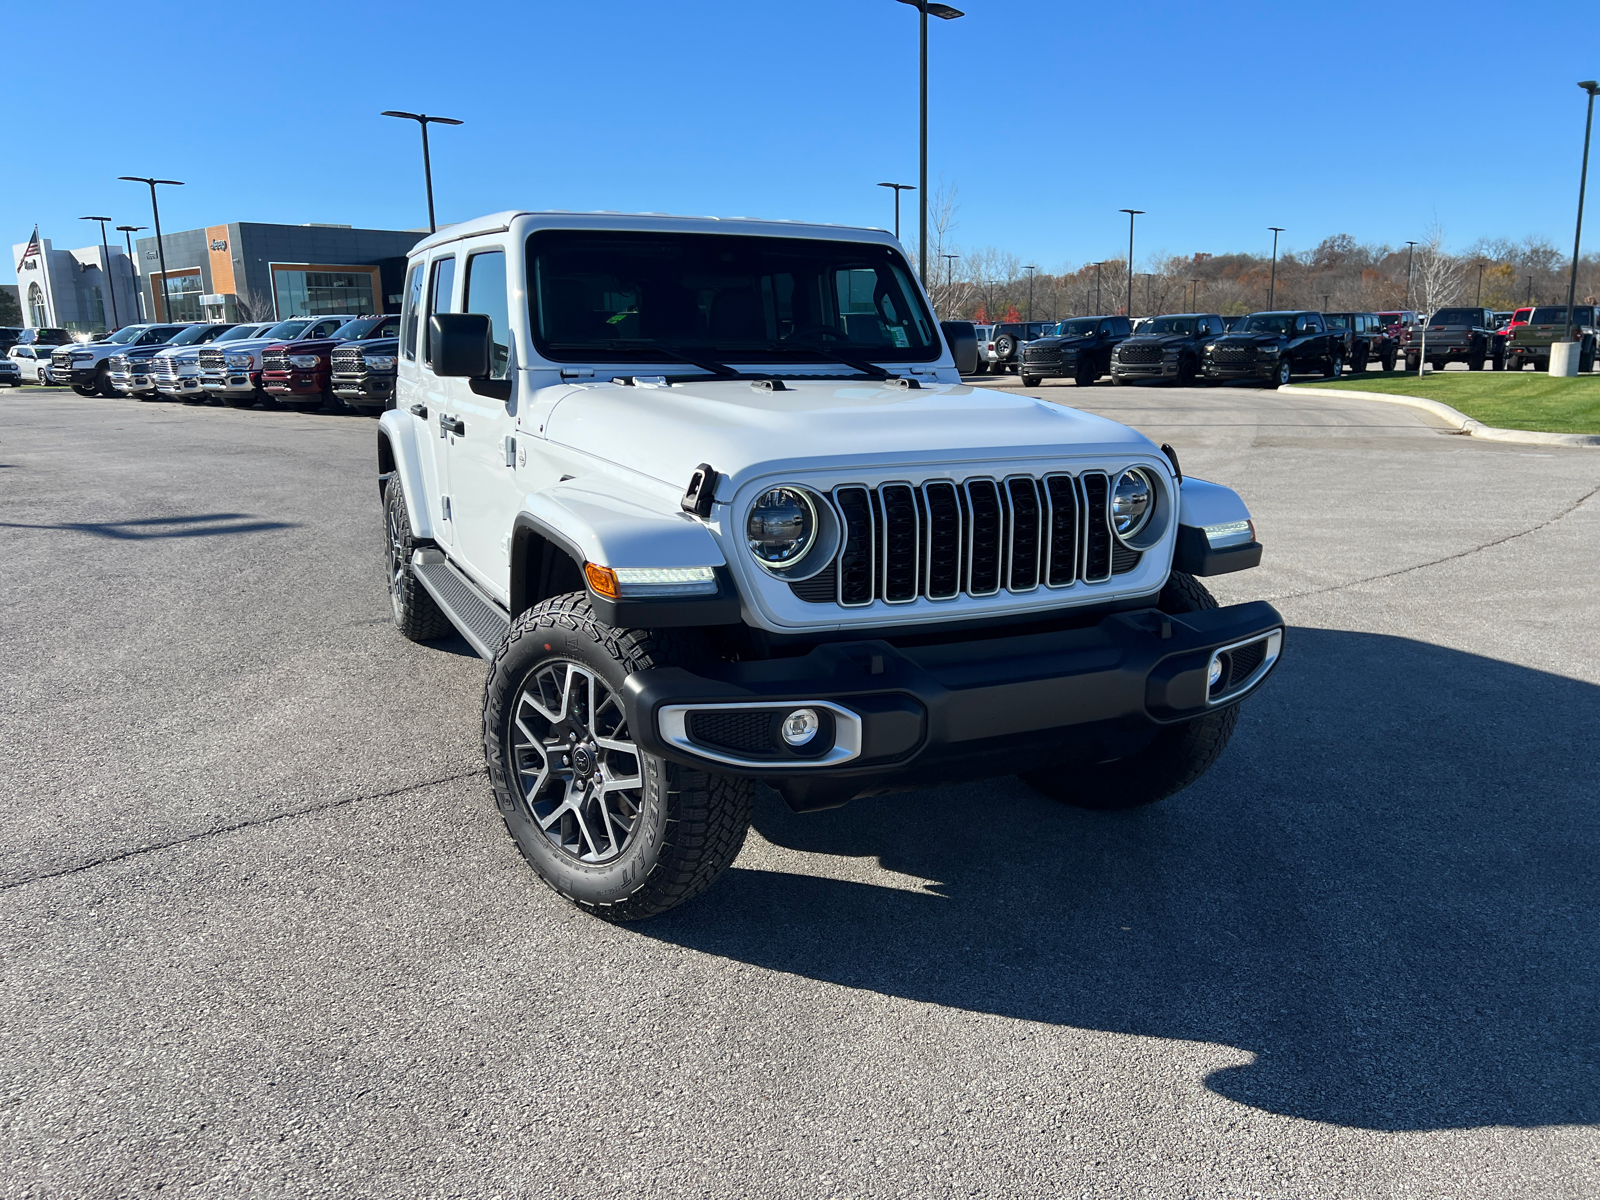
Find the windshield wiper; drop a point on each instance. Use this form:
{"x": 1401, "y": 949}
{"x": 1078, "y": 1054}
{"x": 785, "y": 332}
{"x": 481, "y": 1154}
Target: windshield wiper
{"x": 868, "y": 369}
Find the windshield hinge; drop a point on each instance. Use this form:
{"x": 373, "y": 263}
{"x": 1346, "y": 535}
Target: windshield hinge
{"x": 769, "y": 385}
{"x": 577, "y": 372}
{"x": 903, "y": 382}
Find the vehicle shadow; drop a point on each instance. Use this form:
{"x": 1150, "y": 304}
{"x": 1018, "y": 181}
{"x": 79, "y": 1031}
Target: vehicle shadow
{"x": 1385, "y": 891}
{"x": 203, "y": 525}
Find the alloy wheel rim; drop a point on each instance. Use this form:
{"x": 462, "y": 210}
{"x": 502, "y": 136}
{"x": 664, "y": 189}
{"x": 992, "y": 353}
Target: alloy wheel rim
{"x": 397, "y": 564}
{"x": 578, "y": 771}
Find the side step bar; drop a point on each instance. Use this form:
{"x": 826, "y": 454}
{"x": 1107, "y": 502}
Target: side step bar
{"x": 479, "y": 619}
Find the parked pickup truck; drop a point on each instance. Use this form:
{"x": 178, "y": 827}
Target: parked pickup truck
{"x": 1166, "y": 348}
{"x": 298, "y": 374}
{"x": 1365, "y": 339}
{"x": 1452, "y": 335}
{"x": 362, "y": 369}
{"x": 1003, "y": 351}
{"x": 133, "y": 371}
{"x": 87, "y": 368}
{"x": 176, "y": 370}
{"x": 1078, "y": 348}
{"x": 232, "y": 374}
{"x": 1271, "y": 347}
{"x": 1530, "y": 343}
{"x": 713, "y": 502}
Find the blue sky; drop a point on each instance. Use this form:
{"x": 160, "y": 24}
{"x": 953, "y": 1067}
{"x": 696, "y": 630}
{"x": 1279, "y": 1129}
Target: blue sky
{"x": 1220, "y": 120}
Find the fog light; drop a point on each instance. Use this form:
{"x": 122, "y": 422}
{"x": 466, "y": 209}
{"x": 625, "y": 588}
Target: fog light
{"x": 800, "y": 726}
{"x": 1214, "y": 672}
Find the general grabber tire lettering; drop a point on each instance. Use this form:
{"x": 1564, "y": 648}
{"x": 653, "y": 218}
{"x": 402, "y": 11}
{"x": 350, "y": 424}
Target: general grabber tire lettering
{"x": 1172, "y": 760}
{"x": 416, "y": 615}
{"x": 618, "y": 832}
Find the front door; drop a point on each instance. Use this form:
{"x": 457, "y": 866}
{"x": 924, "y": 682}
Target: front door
{"x": 482, "y": 443}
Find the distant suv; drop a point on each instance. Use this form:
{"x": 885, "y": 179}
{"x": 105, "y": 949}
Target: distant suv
{"x": 297, "y": 374}
{"x": 1270, "y": 347}
{"x": 1166, "y": 347}
{"x": 232, "y": 374}
{"x": 46, "y": 337}
{"x": 1547, "y": 324}
{"x": 87, "y": 368}
{"x": 1079, "y": 348}
{"x": 1001, "y": 351}
{"x": 362, "y": 369}
{"x": 985, "y": 336}
{"x": 1452, "y": 335}
{"x": 1365, "y": 339}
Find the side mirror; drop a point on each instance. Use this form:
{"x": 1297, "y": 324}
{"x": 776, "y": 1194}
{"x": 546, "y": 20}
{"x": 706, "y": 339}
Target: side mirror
{"x": 461, "y": 345}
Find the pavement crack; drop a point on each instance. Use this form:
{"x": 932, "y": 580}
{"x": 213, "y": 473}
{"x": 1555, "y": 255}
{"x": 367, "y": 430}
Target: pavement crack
{"x": 1500, "y": 541}
{"x": 253, "y": 822}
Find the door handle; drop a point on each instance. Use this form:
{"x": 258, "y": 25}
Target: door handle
{"x": 449, "y": 424}
{"x": 420, "y": 410}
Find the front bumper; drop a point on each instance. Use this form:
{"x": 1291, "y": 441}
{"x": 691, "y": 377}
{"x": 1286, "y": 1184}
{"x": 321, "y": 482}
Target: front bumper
{"x": 184, "y": 385}
{"x": 1261, "y": 369}
{"x": 132, "y": 383}
{"x": 233, "y": 381}
{"x": 294, "y": 383}
{"x": 370, "y": 389}
{"x": 1156, "y": 370}
{"x": 923, "y": 715}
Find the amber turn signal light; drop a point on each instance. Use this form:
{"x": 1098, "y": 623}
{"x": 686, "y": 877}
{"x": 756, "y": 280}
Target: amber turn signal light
{"x": 602, "y": 580}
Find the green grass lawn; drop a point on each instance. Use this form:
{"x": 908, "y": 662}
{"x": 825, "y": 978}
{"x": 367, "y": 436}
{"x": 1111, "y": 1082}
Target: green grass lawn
{"x": 1507, "y": 400}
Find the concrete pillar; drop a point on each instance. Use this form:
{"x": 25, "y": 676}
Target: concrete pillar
{"x": 1564, "y": 358}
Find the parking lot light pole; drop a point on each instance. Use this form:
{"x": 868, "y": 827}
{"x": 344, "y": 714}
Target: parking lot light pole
{"x": 898, "y": 188}
{"x": 926, "y": 9}
{"x": 1593, "y": 88}
{"x": 1097, "y": 267}
{"x": 111, "y": 283}
{"x": 1530, "y": 290}
{"x": 1411, "y": 251}
{"x": 989, "y": 308}
{"x": 1132, "y": 213}
{"x": 1196, "y": 300}
{"x": 1479, "y": 301}
{"x": 161, "y": 251}
{"x": 1326, "y": 296}
{"x": 949, "y": 273}
{"x": 424, "y": 120}
{"x": 1030, "y": 271}
{"x": 127, "y": 232}
{"x": 1272, "y": 282}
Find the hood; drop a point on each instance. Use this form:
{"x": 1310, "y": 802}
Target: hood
{"x": 250, "y": 344}
{"x": 1251, "y": 339}
{"x": 383, "y": 345}
{"x": 1163, "y": 339}
{"x": 315, "y": 346}
{"x": 742, "y": 431}
{"x": 1063, "y": 342}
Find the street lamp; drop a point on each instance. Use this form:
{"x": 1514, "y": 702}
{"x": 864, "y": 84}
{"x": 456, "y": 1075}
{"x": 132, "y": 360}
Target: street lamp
{"x": 1030, "y": 271}
{"x": 1479, "y": 301}
{"x": 1272, "y": 283}
{"x": 1149, "y": 304}
{"x": 989, "y": 308}
{"x": 1132, "y": 213}
{"x": 898, "y": 188}
{"x": 926, "y": 9}
{"x": 424, "y": 120}
{"x": 1097, "y": 267}
{"x": 1411, "y": 251}
{"x": 161, "y": 251}
{"x": 1326, "y": 296}
{"x": 111, "y": 283}
{"x": 1593, "y": 89}
{"x": 1196, "y": 300}
{"x": 127, "y": 232}
{"x": 949, "y": 273}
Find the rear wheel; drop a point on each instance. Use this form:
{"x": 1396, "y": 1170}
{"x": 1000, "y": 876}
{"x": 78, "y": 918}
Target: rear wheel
{"x": 1387, "y": 361}
{"x": 618, "y": 832}
{"x": 1172, "y": 760}
{"x": 1413, "y": 362}
{"x": 1586, "y": 358}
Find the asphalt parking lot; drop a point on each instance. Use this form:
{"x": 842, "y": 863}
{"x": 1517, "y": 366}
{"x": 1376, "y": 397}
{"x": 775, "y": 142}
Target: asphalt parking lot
{"x": 262, "y": 933}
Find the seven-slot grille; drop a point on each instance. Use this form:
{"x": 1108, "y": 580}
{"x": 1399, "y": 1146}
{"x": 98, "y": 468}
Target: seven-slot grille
{"x": 1233, "y": 354}
{"x": 941, "y": 539}
{"x": 275, "y": 360}
{"x": 1139, "y": 354}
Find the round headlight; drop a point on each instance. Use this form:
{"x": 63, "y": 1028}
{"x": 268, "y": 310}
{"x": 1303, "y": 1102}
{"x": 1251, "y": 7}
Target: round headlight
{"x": 1132, "y": 502}
{"x": 781, "y": 527}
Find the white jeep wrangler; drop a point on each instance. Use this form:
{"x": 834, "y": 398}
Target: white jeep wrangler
{"x": 713, "y": 502}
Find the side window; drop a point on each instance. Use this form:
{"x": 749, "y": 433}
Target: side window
{"x": 1121, "y": 327}
{"x": 386, "y": 328}
{"x": 323, "y": 328}
{"x": 440, "y": 288}
{"x": 413, "y": 305}
{"x": 486, "y": 293}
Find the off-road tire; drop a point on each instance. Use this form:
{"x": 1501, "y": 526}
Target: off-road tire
{"x": 1004, "y": 345}
{"x": 416, "y": 614}
{"x": 1284, "y": 373}
{"x": 1387, "y": 362}
{"x": 1085, "y": 375}
{"x": 1188, "y": 370}
{"x": 102, "y": 384}
{"x": 1031, "y": 381}
{"x": 691, "y": 824}
{"x": 1172, "y": 760}
{"x": 1413, "y": 362}
{"x": 1475, "y": 362}
{"x": 1335, "y": 367}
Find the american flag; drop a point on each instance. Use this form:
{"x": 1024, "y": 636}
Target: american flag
{"x": 32, "y": 248}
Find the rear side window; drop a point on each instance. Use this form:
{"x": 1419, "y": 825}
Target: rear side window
{"x": 413, "y": 306}
{"x": 486, "y": 294}
{"x": 1121, "y": 327}
{"x": 388, "y": 328}
{"x": 440, "y": 289}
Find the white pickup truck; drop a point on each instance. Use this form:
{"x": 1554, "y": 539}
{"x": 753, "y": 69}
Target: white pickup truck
{"x": 712, "y": 500}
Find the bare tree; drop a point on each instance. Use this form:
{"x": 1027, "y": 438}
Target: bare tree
{"x": 1437, "y": 281}
{"x": 253, "y": 305}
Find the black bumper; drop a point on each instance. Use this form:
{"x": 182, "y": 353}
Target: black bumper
{"x": 968, "y": 709}
{"x": 1251, "y": 370}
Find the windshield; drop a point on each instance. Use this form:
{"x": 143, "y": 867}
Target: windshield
{"x": 285, "y": 330}
{"x": 1084, "y": 328}
{"x": 1336, "y": 320}
{"x": 1159, "y": 325}
{"x": 1457, "y": 316}
{"x": 123, "y": 336}
{"x": 1266, "y": 323}
{"x": 238, "y": 333}
{"x": 361, "y": 327}
{"x": 197, "y": 334}
{"x": 642, "y": 297}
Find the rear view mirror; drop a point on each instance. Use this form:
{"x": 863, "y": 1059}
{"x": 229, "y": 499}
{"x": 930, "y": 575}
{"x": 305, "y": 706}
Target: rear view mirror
{"x": 461, "y": 345}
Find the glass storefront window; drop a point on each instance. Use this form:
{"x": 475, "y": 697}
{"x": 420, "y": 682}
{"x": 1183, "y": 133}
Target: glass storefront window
{"x": 320, "y": 293}
{"x": 183, "y": 292}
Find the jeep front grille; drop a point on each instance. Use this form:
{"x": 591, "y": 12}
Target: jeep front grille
{"x": 276, "y": 360}
{"x": 941, "y": 539}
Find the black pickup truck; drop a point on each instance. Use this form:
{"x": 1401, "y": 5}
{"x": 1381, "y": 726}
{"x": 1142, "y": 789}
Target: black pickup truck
{"x": 1081, "y": 348}
{"x": 1366, "y": 339}
{"x": 1272, "y": 346}
{"x": 1166, "y": 347}
{"x": 1454, "y": 335}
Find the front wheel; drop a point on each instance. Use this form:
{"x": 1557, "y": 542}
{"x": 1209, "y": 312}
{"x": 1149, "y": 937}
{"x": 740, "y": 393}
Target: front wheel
{"x": 1335, "y": 367}
{"x": 1285, "y": 371}
{"x": 1387, "y": 361}
{"x": 1413, "y": 362}
{"x": 416, "y": 614}
{"x": 1172, "y": 760}
{"x": 1187, "y": 371}
{"x": 618, "y": 832}
{"x": 1031, "y": 381}
{"x": 1086, "y": 374}
{"x": 85, "y": 389}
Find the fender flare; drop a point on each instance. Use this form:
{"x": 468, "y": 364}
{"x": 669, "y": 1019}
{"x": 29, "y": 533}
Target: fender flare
{"x": 398, "y": 454}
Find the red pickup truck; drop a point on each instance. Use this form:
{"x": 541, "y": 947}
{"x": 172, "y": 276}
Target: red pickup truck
{"x": 299, "y": 374}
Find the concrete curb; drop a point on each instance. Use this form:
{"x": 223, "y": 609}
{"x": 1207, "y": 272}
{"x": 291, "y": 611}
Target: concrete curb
{"x": 1460, "y": 420}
